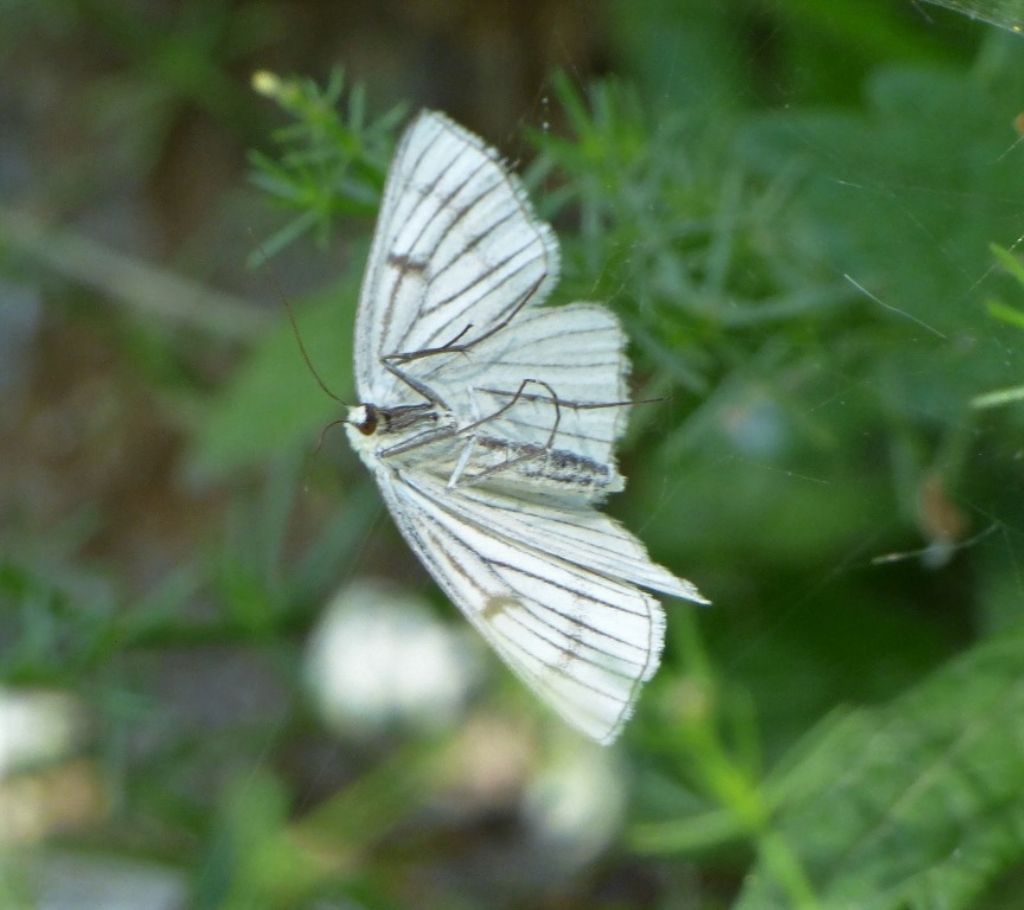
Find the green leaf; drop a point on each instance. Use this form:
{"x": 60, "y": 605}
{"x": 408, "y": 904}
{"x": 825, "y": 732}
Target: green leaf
{"x": 1008, "y": 14}
{"x": 913, "y": 805}
{"x": 1009, "y": 261}
{"x": 1008, "y": 314}
{"x": 252, "y": 861}
{"x": 272, "y": 404}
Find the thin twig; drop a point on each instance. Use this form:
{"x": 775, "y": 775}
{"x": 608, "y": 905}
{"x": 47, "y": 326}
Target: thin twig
{"x": 129, "y": 281}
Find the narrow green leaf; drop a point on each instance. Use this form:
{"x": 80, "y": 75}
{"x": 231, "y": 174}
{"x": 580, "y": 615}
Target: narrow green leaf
{"x": 999, "y": 310}
{"x": 1009, "y": 261}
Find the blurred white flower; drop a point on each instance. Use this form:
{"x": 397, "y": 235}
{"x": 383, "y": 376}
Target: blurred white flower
{"x": 35, "y": 727}
{"x": 574, "y": 802}
{"x": 489, "y": 762}
{"x": 41, "y": 790}
{"x": 380, "y": 658}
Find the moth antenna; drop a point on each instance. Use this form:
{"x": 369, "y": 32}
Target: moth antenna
{"x": 283, "y": 299}
{"x": 323, "y": 435}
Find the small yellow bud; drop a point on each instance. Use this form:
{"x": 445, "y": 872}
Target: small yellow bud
{"x": 266, "y": 83}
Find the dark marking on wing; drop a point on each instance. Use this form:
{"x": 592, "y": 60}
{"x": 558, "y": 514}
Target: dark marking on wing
{"x": 407, "y": 264}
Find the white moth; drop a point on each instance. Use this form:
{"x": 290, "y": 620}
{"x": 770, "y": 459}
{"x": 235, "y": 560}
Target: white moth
{"x": 488, "y": 423}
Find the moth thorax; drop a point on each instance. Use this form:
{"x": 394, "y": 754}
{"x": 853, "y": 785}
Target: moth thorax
{"x": 364, "y": 418}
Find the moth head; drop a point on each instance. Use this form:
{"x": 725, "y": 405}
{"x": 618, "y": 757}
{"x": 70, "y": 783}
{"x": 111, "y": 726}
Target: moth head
{"x": 364, "y": 418}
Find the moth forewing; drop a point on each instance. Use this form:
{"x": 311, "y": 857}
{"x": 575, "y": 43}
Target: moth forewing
{"x": 456, "y": 243}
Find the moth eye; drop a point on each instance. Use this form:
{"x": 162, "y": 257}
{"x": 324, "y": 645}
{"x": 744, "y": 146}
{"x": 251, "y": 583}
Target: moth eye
{"x": 369, "y": 425}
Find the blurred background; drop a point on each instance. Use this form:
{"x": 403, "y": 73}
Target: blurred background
{"x": 225, "y": 682}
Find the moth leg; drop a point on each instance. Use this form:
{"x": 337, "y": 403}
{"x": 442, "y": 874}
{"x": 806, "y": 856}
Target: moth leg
{"x": 474, "y": 402}
{"x": 455, "y": 346}
{"x": 390, "y": 361}
{"x": 530, "y": 452}
{"x": 467, "y": 452}
{"x": 517, "y": 396}
{"x": 463, "y": 461}
{"x": 423, "y": 439}
{"x": 415, "y": 384}
{"x": 571, "y": 405}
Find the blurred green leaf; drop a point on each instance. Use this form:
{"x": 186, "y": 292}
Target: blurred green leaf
{"x": 1008, "y": 314}
{"x": 1008, "y": 14}
{"x": 253, "y": 862}
{"x": 870, "y": 186}
{"x": 1009, "y": 261}
{"x": 272, "y": 404}
{"x": 913, "y": 805}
